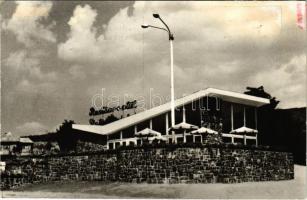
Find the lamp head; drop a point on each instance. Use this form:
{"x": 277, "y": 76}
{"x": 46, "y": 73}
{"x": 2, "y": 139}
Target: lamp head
{"x": 144, "y": 26}
{"x": 156, "y": 15}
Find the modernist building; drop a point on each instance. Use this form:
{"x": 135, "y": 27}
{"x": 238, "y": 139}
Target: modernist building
{"x": 233, "y": 115}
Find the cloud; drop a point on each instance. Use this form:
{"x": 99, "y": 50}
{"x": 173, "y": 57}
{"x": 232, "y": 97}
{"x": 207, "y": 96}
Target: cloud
{"x": 25, "y": 22}
{"x": 85, "y": 45}
{"x": 31, "y": 128}
{"x": 287, "y": 82}
{"x": 23, "y": 64}
{"x": 215, "y": 43}
{"x": 76, "y": 72}
{"x": 227, "y": 45}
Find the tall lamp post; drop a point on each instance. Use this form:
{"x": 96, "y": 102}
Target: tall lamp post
{"x": 171, "y": 39}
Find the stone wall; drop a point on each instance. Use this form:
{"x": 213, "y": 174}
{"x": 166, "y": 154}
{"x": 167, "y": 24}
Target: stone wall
{"x": 156, "y": 165}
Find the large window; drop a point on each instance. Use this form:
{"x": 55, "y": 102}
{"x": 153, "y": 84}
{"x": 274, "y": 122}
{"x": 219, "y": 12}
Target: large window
{"x": 128, "y": 132}
{"x": 238, "y": 116}
{"x": 226, "y": 116}
{"x": 178, "y": 115}
{"x": 192, "y": 114}
{"x": 250, "y": 117}
{"x": 114, "y": 136}
{"x": 158, "y": 123}
{"x": 143, "y": 125}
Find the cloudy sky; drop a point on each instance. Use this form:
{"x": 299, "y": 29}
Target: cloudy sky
{"x": 56, "y": 56}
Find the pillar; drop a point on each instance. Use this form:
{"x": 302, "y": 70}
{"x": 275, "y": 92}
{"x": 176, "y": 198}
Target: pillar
{"x": 166, "y": 123}
{"x": 183, "y": 114}
{"x": 150, "y": 123}
{"x": 231, "y": 110}
{"x": 121, "y": 138}
{"x": 244, "y": 137}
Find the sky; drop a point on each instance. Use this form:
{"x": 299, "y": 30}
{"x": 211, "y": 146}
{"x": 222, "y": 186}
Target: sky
{"x": 58, "y": 56}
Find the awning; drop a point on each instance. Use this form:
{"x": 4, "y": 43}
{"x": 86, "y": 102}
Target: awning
{"x": 203, "y": 130}
{"x": 244, "y": 129}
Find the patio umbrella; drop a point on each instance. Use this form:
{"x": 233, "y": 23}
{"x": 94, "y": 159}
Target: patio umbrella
{"x": 203, "y": 130}
{"x": 244, "y": 129}
{"x": 160, "y": 137}
{"x": 183, "y": 126}
{"x": 147, "y": 132}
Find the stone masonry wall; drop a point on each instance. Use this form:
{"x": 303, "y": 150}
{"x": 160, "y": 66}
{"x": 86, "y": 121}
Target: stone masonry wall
{"x": 161, "y": 165}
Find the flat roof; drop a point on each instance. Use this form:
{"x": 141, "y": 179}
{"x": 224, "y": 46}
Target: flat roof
{"x": 121, "y": 124}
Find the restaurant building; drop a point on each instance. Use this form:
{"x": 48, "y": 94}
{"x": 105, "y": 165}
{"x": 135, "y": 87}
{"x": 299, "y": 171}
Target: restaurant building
{"x": 229, "y": 114}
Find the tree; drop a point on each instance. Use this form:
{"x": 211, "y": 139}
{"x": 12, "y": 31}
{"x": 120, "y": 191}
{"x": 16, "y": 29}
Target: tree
{"x": 259, "y": 92}
{"x": 66, "y": 139}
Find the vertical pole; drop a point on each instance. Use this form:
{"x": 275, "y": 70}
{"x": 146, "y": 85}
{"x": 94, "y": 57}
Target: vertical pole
{"x": 135, "y": 129}
{"x": 172, "y": 85}
{"x": 172, "y": 89}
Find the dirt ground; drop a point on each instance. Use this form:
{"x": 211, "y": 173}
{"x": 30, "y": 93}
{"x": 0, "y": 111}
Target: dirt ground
{"x": 293, "y": 189}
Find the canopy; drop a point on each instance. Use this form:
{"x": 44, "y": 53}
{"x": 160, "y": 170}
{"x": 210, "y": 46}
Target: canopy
{"x": 244, "y": 129}
{"x": 160, "y": 137}
{"x": 183, "y": 126}
{"x": 204, "y": 130}
{"x": 147, "y": 132}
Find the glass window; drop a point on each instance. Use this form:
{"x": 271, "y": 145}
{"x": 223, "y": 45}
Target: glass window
{"x": 158, "y": 124}
{"x": 238, "y": 116}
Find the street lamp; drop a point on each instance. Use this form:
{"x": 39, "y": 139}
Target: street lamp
{"x": 171, "y": 39}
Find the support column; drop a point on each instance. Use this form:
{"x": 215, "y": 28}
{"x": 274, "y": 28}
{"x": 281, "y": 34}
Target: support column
{"x": 183, "y": 114}
{"x": 244, "y": 137}
{"x": 231, "y": 110}
{"x": 256, "y": 140}
{"x": 150, "y": 123}
{"x": 166, "y": 123}
{"x": 107, "y": 141}
{"x": 121, "y": 137}
{"x": 135, "y": 129}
